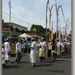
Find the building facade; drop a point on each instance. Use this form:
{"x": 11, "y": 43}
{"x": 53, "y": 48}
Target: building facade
{"x": 12, "y": 28}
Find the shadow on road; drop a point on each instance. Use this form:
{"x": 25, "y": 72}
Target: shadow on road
{"x": 20, "y": 62}
{"x": 56, "y": 71}
{"x": 43, "y": 65}
{"x": 11, "y": 66}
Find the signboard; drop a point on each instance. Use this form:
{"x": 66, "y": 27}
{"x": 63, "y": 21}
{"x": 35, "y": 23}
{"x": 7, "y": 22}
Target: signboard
{"x": 5, "y": 28}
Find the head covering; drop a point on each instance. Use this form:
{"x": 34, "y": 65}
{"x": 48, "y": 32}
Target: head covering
{"x": 32, "y": 39}
{"x": 42, "y": 37}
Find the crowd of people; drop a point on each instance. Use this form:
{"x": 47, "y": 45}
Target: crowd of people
{"x": 54, "y": 49}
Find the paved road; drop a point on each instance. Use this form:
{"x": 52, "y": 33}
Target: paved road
{"x": 61, "y": 67}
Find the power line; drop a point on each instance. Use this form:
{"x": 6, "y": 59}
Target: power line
{"x": 16, "y": 18}
{"x": 25, "y": 6}
{"x": 32, "y": 6}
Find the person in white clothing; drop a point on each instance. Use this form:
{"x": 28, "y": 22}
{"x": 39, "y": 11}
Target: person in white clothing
{"x": 42, "y": 50}
{"x": 7, "y": 50}
{"x": 3, "y": 56}
{"x": 62, "y": 47}
{"x": 33, "y": 52}
{"x": 49, "y": 48}
{"x": 58, "y": 48}
{"x": 18, "y": 51}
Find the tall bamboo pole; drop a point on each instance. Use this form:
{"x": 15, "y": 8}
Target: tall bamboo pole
{"x": 46, "y": 27}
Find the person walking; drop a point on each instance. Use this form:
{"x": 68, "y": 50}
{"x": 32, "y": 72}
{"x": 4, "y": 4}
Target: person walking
{"x": 62, "y": 47}
{"x": 33, "y": 52}
{"x": 42, "y": 50}
{"x": 7, "y": 50}
{"x": 25, "y": 47}
{"x": 18, "y": 51}
{"x": 3, "y": 56}
{"x": 58, "y": 48}
{"x": 28, "y": 46}
{"x": 54, "y": 51}
{"x": 49, "y": 48}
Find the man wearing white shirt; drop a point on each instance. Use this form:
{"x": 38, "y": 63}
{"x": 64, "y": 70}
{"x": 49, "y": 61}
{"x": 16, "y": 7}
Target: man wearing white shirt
{"x": 33, "y": 52}
{"x": 18, "y": 51}
{"x": 42, "y": 50}
{"x": 7, "y": 50}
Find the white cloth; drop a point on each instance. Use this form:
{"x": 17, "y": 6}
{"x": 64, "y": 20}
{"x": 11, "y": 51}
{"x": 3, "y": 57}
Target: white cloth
{"x": 7, "y": 49}
{"x": 58, "y": 51}
{"x": 33, "y": 52}
{"x": 43, "y": 45}
{"x": 62, "y": 44}
{"x": 3, "y": 52}
{"x": 32, "y": 58}
{"x": 6, "y": 46}
{"x": 68, "y": 43}
{"x": 49, "y": 46}
{"x": 18, "y": 47}
{"x": 33, "y": 47}
{"x": 3, "y": 56}
{"x": 58, "y": 48}
{"x": 58, "y": 44}
{"x": 3, "y": 60}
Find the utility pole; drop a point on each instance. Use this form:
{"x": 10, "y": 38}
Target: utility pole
{"x": 9, "y": 15}
{"x": 56, "y": 20}
{"x": 46, "y": 18}
{"x": 46, "y": 27}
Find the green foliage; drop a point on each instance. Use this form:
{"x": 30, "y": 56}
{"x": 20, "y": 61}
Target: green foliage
{"x": 39, "y": 28}
{"x": 7, "y": 33}
{"x": 23, "y": 31}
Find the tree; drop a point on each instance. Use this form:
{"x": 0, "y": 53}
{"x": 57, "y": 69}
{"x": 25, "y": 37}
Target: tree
{"x": 22, "y": 31}
{"x": 38, "y": 28}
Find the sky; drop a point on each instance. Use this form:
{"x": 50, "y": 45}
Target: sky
{"x": 28, "y": 12}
